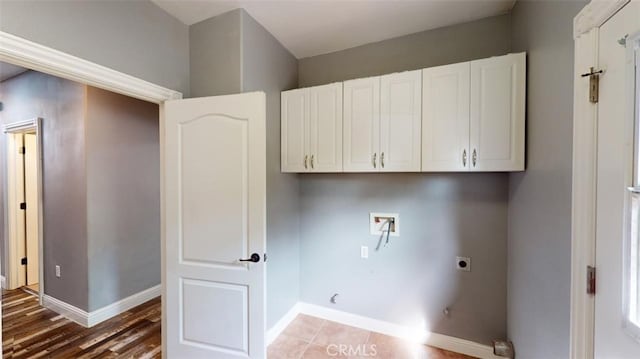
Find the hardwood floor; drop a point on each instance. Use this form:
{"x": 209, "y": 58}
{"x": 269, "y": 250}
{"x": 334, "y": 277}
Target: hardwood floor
{"x": 30, "y": 331}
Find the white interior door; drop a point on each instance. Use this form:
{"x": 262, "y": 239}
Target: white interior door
{"x": 361, "y": 125}
{"x": 445, "y": 118}
{"x": 400, "y": 121}
{"x": 31, "y": 195}
{"x": 214, "y": 197}
{"x": 16, "y": 216}
{"x": 325, "y": 128}
{"x": 295, "y": 130}
{"x": 613, "y": 331}
{"x": 497, "y": 122}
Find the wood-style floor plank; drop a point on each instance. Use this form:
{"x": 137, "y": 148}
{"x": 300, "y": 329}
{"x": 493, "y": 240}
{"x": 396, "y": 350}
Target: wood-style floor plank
{"x": 30, "y": 331}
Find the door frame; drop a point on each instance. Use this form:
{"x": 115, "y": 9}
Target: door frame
{"x": 11, "y": 244}
{"x": 586, "y": 27}
{"x": 21, "y": 52}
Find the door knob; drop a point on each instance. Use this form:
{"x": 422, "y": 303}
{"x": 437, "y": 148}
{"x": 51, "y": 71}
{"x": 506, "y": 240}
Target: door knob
{"x": 255, "y": 257}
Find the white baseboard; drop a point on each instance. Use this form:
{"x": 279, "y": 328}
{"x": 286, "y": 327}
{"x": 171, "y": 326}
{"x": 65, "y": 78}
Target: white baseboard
{"x": 282, "y": 324}
{"x": 432, "y": 339}
{"x": 89, "y": 319}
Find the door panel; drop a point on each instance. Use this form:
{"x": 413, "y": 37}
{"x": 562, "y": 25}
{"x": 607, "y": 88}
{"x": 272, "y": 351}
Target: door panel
{"x": 214, "y": 195}
{"x": 400, "y": 121}
{"x": 445, "y": 118}
{"x": 294, "y": 130}
{"x": 325, "y": 128}
{"x": 614, "y": 176}
{"x": 361, "y": 125}
{"x": 31, "y": 196}
{"x": 497, "y": 113}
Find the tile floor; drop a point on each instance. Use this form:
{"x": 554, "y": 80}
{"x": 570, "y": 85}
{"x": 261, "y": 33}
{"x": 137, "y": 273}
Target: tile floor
{"x": 311, "y": 338}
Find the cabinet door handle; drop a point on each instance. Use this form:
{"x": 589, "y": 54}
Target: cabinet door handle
{"x": 312, "y": 156}
{"x": 464, "y": 158}
{"x": 474, "y": 157}
{"x": 306, "y": 157}
{"x": 375, "y": 155}
{"x": 382, "y": 159}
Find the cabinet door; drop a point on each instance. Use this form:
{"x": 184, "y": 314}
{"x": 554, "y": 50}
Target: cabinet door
{"x": 445, "y": 118}
{"x": 400, "y": 121}
{"x": 325, "y": 128}
{"x": 498, "y": 113}
{"x": 361, "y": 125}
{"x": 294, "y": 130}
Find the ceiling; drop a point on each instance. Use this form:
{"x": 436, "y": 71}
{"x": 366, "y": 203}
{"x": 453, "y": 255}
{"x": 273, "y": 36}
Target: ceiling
{"x": 8, "y": 71}
{"x": 314, "y": 27}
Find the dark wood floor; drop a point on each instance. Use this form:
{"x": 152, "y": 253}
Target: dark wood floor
{"x": 30, "y": 331}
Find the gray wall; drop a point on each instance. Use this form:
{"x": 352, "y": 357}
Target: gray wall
{"x": 123, "y": 196}
{"x": 442, "y": 216}
{"x": 216, "y": 55}
{"x": 473, "y": 40}
{"x": 135, "y": 37}
{"x": 268, "y": 66}
{"x": 60, "y": 103}
{"x": 539, "y": 264}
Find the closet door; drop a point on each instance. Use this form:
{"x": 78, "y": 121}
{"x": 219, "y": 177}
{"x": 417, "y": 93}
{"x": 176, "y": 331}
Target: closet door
{"x": 498, "y": 113}
{"x": 400, "y": 121}
{"x": 362, "y": 125}
{"x": 294, "y": 130}
{"x": 445, "y": 118}
{"x": 325, "y": 128}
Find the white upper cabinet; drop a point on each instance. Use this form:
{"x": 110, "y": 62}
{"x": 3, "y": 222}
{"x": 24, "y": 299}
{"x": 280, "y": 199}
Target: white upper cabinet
{"x": 294, "y": 130}
{"x": 400, "y": 122}
{"x": 454, "y": 118}
{"x": 325, "y": 128}
{"x": 361, "y": 125}
{"x": 311, "y": 125}
{"x": 497, "y": 132}
{"x": 445, "y": 118}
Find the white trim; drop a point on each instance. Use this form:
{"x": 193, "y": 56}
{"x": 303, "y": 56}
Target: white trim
{"x": 25, "y": 53}
{"x": 583, "y": 207}
{"x": 121, "y": 306}
{"x": 282, "y": 324}
{"x": 66, "y": 310}
{"x": 421, "y": 336}
{"x": 89, "y": 319}
{"x": 3, "y": 282}
{"x": 594, "y": 14}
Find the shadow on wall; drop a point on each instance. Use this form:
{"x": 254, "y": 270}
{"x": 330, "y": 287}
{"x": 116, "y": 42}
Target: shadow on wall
{"x": 414, "y": 278}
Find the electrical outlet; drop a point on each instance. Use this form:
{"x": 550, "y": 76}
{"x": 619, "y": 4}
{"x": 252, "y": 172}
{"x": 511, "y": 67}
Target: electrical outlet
{"x": 463, "y": 264}
{"x": 58, "y": 271}
{"x": 364, "y": 252}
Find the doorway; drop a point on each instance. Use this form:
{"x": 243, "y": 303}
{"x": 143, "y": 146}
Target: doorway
{"x": 23, "y": 208}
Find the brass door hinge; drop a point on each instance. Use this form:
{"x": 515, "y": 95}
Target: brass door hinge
{"x": 594, "y": 84}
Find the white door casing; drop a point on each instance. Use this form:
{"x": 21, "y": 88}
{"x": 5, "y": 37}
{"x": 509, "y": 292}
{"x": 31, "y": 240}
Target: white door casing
{"x": 361, "y": 125}
{"x": 498, "y": 113}
{"x": 325, "y": 128}
{"x": 445, "y": 116}
{"x": 215, "y": 187}
{"x": 295, "y": 130}
{"x": 400, "y": 122}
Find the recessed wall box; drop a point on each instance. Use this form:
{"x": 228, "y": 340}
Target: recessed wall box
{"x": 380, "y": 223}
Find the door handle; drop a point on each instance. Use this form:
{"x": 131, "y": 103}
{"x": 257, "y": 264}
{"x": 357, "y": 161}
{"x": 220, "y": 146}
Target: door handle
{"x": 474, "y": 158}
{"x": 306, "y": 158}
{"x": 375, "y": 155}
{"x": 464, "y": 158}
{"x": 255, "y": 258}
{"x": 312, "y": 157}
{"x": 382, "y": 159}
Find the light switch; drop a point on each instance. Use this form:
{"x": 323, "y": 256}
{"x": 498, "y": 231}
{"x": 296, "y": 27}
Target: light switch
{"x": 364, "y": 252}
